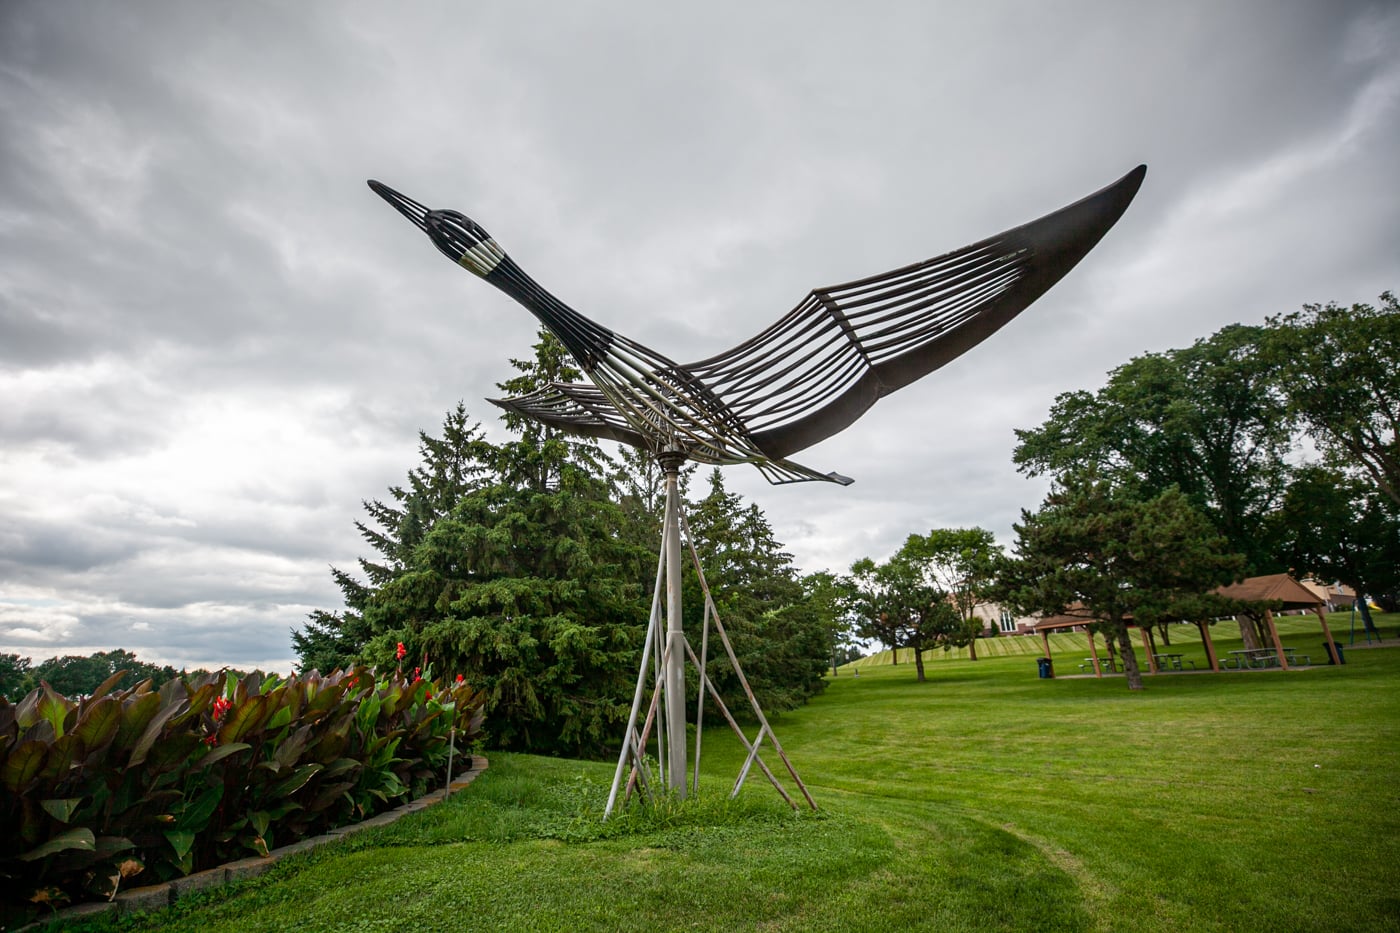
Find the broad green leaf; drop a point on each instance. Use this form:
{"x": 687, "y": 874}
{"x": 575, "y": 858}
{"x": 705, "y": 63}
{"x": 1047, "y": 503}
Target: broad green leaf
{"x": 79, "y": 838}
{"x": 23, "y": 764}
{"x": 340, "y": 766}
{"x": 295, "y": 781}
{"x": 27, "y": 710}
{"x": 142, "y": 748}
{"x": 181, "y": 841}
{"x": 99, "y": 722}
{"x": 222, "y": 752}
{"x": 291, "y": 748}
{"x": 243, "y": 718}
{"x": 197, "y": 813}
{"x": 111, "y": 845}
{"x": 63, "y": 754}
{"x": 61, "y": 809}
{"x": 53, "y": 707}
{"x": 281, "y": 718}
{"x": 169, "y": 757}
{"x": 368, "y": 713}
{"x": 136, "y": 715}
{"x": 106, "y": 686}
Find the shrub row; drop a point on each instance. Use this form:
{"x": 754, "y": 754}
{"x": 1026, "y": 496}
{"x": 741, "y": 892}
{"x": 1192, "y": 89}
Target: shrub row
{"x": 141, "y": 786}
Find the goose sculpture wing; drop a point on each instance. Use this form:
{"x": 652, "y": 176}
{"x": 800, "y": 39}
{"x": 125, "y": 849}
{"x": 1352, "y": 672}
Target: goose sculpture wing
{"x": 809, "y": 375}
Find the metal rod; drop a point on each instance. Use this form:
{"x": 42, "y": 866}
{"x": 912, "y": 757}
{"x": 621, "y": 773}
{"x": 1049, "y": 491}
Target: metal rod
{"x": 748, "y": 762}
{"x": 641, "y": 681}
{"x": 700, "y": 694}
{"x": 744, "y": 681}
{"x": 675, "y": 634}
{"x": 743, "y": 739}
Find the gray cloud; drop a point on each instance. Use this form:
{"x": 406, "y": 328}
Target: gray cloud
{"x": 215, "y": 341}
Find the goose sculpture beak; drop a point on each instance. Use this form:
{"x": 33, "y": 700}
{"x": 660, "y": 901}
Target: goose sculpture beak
{"x": 415, "y": 212}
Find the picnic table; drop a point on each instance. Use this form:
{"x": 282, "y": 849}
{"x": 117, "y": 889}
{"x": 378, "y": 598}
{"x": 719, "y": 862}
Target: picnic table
{"x": 1105, "y": 664}
{"x": 1172, "y": 662}
{"x": 1264, "y": 657}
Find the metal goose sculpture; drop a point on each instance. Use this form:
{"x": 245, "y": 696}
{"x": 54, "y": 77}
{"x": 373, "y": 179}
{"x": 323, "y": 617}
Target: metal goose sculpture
{"x": 809, "y": 375}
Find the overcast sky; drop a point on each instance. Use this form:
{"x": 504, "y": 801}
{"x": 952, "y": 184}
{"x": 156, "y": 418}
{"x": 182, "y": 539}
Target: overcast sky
{"x": 215, "y": 341}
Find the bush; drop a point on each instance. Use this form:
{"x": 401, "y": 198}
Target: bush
{"x": 141, "y": 785}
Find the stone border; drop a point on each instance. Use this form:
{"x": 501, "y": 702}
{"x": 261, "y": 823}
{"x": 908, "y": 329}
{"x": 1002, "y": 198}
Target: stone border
{"x": 157, "y": 896}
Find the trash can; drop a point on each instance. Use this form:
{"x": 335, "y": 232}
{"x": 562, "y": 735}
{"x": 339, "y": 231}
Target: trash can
{"x": 1341, "y": 657}
{"x": 1047, "y": 668}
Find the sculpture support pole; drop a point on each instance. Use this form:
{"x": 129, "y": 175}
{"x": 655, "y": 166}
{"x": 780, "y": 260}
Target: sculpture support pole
{"x": 675, "y": 635}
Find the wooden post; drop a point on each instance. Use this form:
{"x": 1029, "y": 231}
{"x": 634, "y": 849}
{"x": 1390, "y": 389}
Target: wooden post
{"x": 1045, "y": 642}
{"x": 1093, "y": 652}
{"x": 1147, "y": 648}
{"x": 1210, "y": 645}
{"x": 1273, "y": 633}
{"x": 1327, "y": 632}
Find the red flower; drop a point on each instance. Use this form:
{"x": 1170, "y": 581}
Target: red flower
{"x": 221, "y": 707}
{"x": 460, "y": 679}
{"x": 427, "y": 695}
{"x": 400, "y": 651}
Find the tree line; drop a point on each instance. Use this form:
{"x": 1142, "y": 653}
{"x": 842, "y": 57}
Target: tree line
{"x": 78, "y": 675}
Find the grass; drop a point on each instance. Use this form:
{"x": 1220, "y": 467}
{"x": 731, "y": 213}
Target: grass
{"x": 985, "y": 798}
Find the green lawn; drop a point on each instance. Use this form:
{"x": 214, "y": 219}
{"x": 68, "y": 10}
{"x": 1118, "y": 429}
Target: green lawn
{"x": 985, "y": 798}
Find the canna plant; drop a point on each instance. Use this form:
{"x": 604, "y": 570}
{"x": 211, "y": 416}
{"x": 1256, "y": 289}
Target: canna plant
{"x": 143, "y": 785}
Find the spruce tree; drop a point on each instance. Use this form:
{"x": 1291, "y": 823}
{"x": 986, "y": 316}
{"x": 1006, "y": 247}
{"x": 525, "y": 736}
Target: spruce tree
{"x": 451, "y": 465}
{"x": 529, "y": 586}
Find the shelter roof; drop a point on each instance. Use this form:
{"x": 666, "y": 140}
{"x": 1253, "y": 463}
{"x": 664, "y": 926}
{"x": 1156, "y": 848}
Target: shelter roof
{"x": 1276, "y": 586}
{"x": 1075, "y": 615}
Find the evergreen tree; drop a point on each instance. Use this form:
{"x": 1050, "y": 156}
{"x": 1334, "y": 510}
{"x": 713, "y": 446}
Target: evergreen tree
{"x": 515, "y": 566}
{"x": 451, "y": 465}
{"x": 1117, "y": 559}
{"x": 534, "y": 596}
{"x": 779, "y": 637}
{"x": 528, "y": 465}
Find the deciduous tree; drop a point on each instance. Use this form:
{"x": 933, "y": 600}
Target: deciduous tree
{"x": 15, "y": 677}
{"x": 1209, "y": 420}
{"x": 901, "y": 605}
{"x": 1340, "y": 368}
{"x": 962, "y": 563}
{"x": 74, "y": 675}
{"x": 1341, "y": 528}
